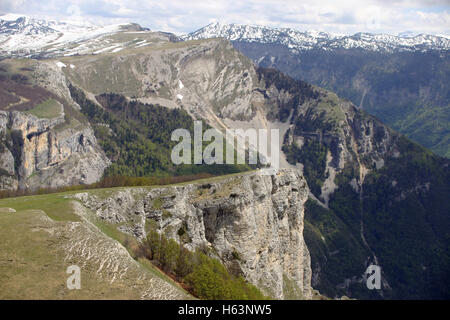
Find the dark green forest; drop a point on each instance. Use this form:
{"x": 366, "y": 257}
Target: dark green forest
{"x": 137, "y": 137}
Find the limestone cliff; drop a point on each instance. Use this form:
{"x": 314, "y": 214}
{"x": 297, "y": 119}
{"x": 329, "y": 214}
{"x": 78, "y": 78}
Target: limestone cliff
{"x": 44, "y": 140}
{"x": 41, "y": 154}
{"x": 253, "y": 223}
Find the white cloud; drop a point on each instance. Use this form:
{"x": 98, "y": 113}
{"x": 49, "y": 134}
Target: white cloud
{"x": 180, "y": 16}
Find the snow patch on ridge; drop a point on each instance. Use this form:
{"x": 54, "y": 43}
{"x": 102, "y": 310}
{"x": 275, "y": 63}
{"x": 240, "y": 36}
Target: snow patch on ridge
{"x": 60, "y": 64}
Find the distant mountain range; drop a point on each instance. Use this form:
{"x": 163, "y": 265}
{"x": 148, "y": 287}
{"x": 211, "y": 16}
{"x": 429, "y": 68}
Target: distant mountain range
{"x": 298, "y": 41}
{"x": 22, "y": 36}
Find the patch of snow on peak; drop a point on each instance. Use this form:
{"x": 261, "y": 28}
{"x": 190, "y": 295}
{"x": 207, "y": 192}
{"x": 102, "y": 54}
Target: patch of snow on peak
{"x": 22, "y": 36}
{"x": 407, "y": 34}
{"x": 12, "y": 16}
{"x": 60, "y": 64}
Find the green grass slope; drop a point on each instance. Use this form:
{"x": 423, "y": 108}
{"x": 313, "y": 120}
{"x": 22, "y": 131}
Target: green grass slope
{"x": 37, "y": 246}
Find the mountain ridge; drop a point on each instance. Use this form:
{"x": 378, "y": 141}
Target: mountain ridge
{"x": 307, "y": 40}
{"x": 22, "y": 36}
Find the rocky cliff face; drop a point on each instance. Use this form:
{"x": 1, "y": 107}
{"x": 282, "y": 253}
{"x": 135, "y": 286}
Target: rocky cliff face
{"x": 353, "y": 164}
{"x": 44, "y": 141}
{"x": 209, "y": 79}
{"x": 45, "y": 155}
{"x": 253, "y": 223}
{"x": 348, "y": 137}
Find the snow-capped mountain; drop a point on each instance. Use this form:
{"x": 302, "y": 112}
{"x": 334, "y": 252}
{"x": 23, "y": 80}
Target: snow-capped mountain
{"x": 14, "y": 24}
{"x": 22, "y": 36}
{"x": 300, "y": 41}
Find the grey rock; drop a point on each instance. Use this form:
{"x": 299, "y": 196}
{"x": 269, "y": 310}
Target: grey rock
{"x": 51, "y": 156}
{"x": 253, "y": 223}
{"x": 7, "y": 161}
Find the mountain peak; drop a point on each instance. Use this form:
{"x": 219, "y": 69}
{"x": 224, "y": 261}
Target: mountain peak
{"x": 23, "y": 36}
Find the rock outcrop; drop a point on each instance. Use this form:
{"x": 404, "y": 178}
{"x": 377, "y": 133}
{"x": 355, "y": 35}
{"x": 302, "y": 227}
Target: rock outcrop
{"x": 253, "y": 223}
{"x": 39, "y": 153}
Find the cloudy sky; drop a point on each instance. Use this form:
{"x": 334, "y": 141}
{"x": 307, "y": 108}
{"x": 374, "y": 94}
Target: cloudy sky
{"x": 182, "y": 16}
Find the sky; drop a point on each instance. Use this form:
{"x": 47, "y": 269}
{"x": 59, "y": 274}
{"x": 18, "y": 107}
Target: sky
{"x": 183, "y": 16}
